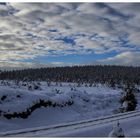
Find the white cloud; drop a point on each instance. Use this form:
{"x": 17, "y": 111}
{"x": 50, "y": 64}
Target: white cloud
{"x": 126, "y": 58}
{"x": 25, "y": 29}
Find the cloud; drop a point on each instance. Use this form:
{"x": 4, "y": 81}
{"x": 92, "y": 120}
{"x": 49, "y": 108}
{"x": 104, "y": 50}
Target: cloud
{"x": 126, "y": 58}
{"x": 10, "y": 65}
{"x": 31, "y": 30}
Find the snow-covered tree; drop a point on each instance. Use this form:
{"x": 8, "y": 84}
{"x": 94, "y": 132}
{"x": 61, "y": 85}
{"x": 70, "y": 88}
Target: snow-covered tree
{"x": 116, "y": 131}
{"x": 128, "y": 100}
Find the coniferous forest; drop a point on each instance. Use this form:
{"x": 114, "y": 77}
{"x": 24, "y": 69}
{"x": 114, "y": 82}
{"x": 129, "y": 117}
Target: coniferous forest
{"x": 112, "y": 75}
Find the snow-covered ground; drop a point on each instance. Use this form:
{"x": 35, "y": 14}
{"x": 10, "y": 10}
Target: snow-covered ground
{"x": 129, "y": 125}
{"x": 122, "y": 124}
{"x": 86, "y": 103}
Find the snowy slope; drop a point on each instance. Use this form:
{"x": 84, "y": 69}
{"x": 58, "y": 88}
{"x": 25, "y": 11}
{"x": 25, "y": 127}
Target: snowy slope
{"x": 94, "y": 127}
{"x": 88, "y": 102}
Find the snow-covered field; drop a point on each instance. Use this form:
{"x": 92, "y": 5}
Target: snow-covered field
{"x": 122, "y": 124}
{"x": 54, "y": 104}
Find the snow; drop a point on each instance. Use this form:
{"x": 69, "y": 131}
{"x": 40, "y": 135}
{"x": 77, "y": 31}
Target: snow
{"x": 88, "y": 103}
{"x": 130, "y": 126}
{"x": 117, "y": 131}
{"x": 100, "y": 127}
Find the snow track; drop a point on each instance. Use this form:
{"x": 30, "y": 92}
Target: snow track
{"x": 60, "y": 129}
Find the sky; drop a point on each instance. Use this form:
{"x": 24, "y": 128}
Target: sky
{"x": 36, "y": 35}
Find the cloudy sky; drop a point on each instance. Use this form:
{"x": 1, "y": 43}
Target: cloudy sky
{"x": 60, "y": 34}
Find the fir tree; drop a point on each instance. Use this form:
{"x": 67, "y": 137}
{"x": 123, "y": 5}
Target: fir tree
{"x": 128, "y": 100}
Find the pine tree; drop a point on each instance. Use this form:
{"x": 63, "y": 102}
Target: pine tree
{"x": 128, "y": 100}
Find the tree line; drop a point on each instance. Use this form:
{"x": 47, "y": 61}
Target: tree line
{"x": 81, "y": 74}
